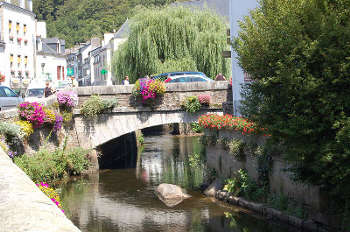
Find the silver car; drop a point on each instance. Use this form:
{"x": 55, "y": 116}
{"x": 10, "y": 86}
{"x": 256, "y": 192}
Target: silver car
{"x": 8, "y": 98}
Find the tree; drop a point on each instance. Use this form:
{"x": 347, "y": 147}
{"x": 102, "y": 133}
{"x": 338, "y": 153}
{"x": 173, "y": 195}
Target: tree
{"x": 298, "y": 53}
{"x": 77, "y": 21}
{"x": 172, "y": 39}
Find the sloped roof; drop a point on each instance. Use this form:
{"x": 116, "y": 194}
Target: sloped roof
{"x": 123, "y": 31}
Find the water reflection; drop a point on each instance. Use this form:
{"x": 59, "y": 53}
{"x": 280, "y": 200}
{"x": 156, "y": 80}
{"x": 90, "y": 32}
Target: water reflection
{"x": 124, "y": 200}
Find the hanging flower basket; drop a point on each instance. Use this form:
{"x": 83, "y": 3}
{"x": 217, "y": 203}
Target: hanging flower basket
{"x": 27, "y": 73}
{"x": 11, "y": 37}
{"x": 19, "y": 39}
{"x": 25, "y": 41}
{"x": 12, "y": 71}
{"x": 148, "y": 90}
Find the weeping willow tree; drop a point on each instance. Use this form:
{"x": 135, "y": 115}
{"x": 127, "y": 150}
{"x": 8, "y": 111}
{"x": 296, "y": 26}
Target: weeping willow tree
{"x": 173, "y": 39}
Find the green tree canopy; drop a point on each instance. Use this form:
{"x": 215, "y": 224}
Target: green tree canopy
{"x": 173, "y": 39}
{"x": 77, "y": 21}
{"x": 298, "y": 52}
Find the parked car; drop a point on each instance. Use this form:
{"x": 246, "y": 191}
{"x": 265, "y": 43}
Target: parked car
{"x": 178, "y": 77}
{"x": 8, "y": 98}
{"x": 34, "y": 94}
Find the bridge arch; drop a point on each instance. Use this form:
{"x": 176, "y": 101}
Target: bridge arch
{"x": 94, "y": 133}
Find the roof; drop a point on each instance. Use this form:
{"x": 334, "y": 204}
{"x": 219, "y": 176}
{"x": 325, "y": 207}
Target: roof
{"x": 54, "y": 40}
{"x": 14, "y": 7}
{"x": 123, "y": 31}
{"x": 47, "y": 50}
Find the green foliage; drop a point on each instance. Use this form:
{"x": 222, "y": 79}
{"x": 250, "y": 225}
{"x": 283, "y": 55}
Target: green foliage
{"x": 67, "y": 117}
{"x": 196, "y": 128}
{"x": 283, "y": 203}
{"x": 244, "y": 186}
{"x": 46, "y": 166}
{"x": 298, "y": 54}
{"x": 77, "y": 21}
{"x": 172, "y": 39}
{"x": 236, "y": 147}
{"x": 10, "y": 130}
{"x": 140, "y": 139}
{"x": 194, "y": 160}
{"x": 191, "y": 104}
{"x": 95, "y": 105}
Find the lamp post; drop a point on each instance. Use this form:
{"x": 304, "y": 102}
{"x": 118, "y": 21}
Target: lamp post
{"x": 20, "y": 77}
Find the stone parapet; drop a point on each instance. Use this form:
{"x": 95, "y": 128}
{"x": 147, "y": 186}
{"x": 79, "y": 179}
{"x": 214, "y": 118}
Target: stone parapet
{"x": 24, "y": 207}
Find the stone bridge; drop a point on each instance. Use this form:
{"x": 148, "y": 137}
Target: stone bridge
{"x": 130, "y": 115}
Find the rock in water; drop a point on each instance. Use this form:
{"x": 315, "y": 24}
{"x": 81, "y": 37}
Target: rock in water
{"x": 213, "y": 188}
{"x": 171, "y": 194}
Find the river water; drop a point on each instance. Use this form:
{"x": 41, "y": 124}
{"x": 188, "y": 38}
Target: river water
{"x": 124, "y": 199}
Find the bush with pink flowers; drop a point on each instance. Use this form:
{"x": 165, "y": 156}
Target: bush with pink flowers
{"x": 38, "y": 115}
{"x": 204, "y": 99}
{"x": 32, "y": 112}
{"x": 148, "y": 89}
{"x": 67, "y": 99}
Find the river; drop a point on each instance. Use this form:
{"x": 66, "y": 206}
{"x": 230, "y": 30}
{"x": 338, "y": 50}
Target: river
{"x": 124, "y": 199}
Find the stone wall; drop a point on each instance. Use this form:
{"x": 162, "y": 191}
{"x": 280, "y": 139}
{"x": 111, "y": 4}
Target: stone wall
{"x": 24, "y": 207}
{"x": 226, "y": 164}
{"x": 174, "y": 95}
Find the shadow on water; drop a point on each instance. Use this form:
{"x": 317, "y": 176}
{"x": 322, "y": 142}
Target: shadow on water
{"x": 124, "y": 200}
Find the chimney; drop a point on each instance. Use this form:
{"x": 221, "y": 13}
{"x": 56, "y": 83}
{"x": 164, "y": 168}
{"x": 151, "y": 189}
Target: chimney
{"x": 95, "y": 42}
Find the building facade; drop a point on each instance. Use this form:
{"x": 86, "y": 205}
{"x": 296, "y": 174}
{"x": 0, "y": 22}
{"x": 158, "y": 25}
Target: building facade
{"x": 51, "y": 62}
{"x": 17, "y": 46}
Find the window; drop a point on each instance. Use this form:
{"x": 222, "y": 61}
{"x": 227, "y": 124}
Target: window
{"x": 181, "y": 79}
{"x": 9, "y": 92}
{"x": 62, "y": 73}
{"x": 26, "y": 60}
{"x": 17, "y": 27}
{"x": 58, "y": 72}
{"x": 197, "y": 79}
{"x": 10, "y": 25}
{"x": 19, "y": 59}
{"x": 11, "y": 58}
{"x": 2, "y": 92}
{"x": 25, "y": 28}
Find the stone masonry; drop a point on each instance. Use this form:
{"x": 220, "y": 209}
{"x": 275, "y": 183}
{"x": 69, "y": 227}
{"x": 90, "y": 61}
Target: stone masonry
{"x": 130, "y": 115}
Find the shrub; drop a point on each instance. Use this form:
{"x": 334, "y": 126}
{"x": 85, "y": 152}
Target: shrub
{"x": 32, "y": 112}
{"x": 50, "y": 193}
{"x": 11, "y": 130}
{"x": 204, "y": 99}
{"x": 46, "y": 166}
{"x": 196, "y": 128}
{"x": 236, "y": 147}
{"x": 95, "y": 105}
{"x": 67, "y": 99}
{"x": 140, "y": 139}
{"x": 67, "y": 116}
{"x": 218, "y": 122}
{"x": 242, "y": 185}
{"x": 26, "y": 127}
{"x": 50, "y": 116}
{"x": 191, "y": 104}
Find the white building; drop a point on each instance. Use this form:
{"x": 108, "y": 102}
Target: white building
{"x": 17, "y": 46}
{"x": 51, "y": 63}
{"x": 238, "y": 9}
